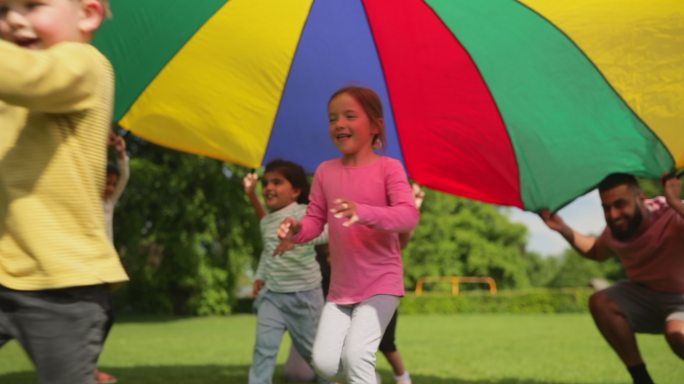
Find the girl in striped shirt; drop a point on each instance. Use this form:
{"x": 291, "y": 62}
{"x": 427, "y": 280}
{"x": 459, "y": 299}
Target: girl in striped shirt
{"x": 288, "y": 279}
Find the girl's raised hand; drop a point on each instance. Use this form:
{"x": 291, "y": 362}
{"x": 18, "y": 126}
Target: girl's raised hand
{"x": 120, "y": 146}
{"x": 249, "y": 182}
{"x": 345, "y": 209}
{"x": 111, "y": 138}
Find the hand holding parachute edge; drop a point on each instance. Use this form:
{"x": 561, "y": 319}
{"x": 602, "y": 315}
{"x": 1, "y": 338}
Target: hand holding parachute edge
{"x": 672, "y": 187}
{"x": 552, "y": 220}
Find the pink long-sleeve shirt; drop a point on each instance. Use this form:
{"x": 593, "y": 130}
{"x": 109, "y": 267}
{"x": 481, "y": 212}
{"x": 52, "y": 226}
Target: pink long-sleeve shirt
{"x": 365, "y": 258}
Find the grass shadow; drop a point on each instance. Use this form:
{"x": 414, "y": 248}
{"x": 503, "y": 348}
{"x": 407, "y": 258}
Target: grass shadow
{"x": 148, "y": 319}
{"x": 387, "y": 377}
{"x": 238, "y": 374}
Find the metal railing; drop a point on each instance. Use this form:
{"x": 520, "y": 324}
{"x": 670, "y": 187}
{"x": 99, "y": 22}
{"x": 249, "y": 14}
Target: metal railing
{"x": 455, "y": 282}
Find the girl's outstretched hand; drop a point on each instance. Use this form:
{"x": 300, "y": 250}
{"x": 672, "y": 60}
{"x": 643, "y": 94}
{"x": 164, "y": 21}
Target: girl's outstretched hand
{"x": 288, "y": 227}
{"x": 345, "y": 209}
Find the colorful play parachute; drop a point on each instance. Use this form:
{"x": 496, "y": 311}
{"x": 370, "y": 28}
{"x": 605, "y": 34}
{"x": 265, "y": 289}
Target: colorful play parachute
{"x": 525, "y": 103}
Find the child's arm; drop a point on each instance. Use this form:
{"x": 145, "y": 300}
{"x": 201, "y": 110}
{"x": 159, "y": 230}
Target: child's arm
{"x": 124, "y": 169}
{"x": 322, "y": 238}
{"x": 249, "y": 182}
{"x": 60, "y": 79}
{"x": 259, "y": 281}
{"x": 286, "y": 242}
{"x": 256, "y": 287}
{"x": 418, "y": 197}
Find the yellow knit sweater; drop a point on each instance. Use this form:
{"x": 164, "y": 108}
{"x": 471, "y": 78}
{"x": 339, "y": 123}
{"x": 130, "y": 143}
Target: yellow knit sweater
{"x": 55, "y": 113}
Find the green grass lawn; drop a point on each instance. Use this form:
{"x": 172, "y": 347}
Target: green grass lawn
{"x": 437, "y": 349}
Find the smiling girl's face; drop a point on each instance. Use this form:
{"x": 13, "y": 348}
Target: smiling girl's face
{"x": 349, "y": 126}
{"x": 278, "y": 192}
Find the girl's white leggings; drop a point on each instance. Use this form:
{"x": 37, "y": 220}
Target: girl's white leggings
{"x": 348, "y": 337}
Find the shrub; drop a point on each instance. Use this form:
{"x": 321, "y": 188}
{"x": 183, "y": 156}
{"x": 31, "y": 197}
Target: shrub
{"x": 507, "y": 301}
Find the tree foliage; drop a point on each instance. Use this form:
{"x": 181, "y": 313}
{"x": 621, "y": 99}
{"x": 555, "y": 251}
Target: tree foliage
{"x": 577, "y": 271}
{"x": 541, "y": 270}
{"x": 457, "y": 236}
{"x": 184, "y": 232}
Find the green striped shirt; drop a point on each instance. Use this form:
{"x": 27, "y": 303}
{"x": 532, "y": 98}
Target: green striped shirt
{"x": 296, "y": 269}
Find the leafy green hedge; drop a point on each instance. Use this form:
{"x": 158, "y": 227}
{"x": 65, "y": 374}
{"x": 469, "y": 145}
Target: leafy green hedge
{"x": 513, "y": 301}
{"x": 570, "y": 300}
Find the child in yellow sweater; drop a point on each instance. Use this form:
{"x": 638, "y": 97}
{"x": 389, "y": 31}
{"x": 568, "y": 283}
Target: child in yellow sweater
{"x": 56, "y": 93}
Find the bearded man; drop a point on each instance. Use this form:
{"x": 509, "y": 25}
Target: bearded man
{"x": 647, "y": 235}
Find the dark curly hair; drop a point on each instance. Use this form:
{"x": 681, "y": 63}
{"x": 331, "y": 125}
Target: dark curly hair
{"x": 295, "y": 174}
